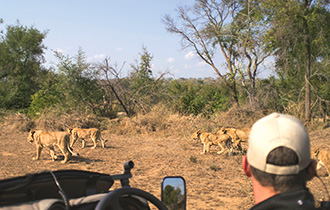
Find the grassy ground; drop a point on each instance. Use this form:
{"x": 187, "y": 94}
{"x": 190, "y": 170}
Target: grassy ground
{"x": 160, "y": 145}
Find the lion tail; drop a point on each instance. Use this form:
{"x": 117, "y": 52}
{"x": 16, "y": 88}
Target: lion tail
{"x": 71, "y": 150}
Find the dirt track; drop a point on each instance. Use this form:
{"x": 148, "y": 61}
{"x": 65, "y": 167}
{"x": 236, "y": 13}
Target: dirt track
{"x": 213, "y": 181}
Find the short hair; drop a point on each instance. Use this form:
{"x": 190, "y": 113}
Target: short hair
{"x": 281, "y": 156}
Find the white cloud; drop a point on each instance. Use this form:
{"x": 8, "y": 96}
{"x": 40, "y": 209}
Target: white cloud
{"x": 171, "y": 60}
{"x": 201, "y": 63}
{"x": 99, "y": 56}
{"x": 190, "y": 55}
{"x": 118, "y": 49}
{"x": 96, "y": 57}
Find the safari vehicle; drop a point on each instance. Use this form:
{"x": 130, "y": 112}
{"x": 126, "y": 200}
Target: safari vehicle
{"x": 84, "y": 190}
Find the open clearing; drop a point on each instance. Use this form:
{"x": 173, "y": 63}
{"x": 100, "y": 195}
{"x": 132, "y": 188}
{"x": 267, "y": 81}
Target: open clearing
{"x": 213, "y": 181}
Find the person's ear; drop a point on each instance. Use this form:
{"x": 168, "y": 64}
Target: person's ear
{"x": 246, "y": 166}
{"x": 312, "y": 170}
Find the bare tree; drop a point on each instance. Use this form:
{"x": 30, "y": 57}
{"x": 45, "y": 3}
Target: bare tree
{"x": 132, "y": 93}
{"x": 112, "y": 85}
{"x": 209, "y": 27}
{"x": 253, "y": 46}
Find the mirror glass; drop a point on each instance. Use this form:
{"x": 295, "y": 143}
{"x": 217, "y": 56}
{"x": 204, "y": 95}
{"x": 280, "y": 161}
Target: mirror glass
{"x": 174, "y": 192}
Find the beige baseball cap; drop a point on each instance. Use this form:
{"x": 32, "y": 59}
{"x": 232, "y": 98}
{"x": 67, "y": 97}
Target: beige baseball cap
{"x": 278, "y": 130}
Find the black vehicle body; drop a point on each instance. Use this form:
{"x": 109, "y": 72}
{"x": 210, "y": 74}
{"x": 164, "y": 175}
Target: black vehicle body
{"x": 74, "y": 189}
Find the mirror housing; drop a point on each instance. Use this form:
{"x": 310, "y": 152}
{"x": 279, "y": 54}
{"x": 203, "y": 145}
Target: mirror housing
{"x": 174, "y": 193}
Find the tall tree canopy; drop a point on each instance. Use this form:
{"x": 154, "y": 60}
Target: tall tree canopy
{"x": 21, "y": 56}
{"x": 300, "y": 34}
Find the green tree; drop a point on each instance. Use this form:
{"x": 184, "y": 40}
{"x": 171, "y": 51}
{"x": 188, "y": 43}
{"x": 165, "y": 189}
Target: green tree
{"x": 197, "y": 96}
{"x": 141, "y": 76}
{"x": 173, "y": 198}
{"x": 137, "y": 92}
{"x": 143, "y": 86}
{"x": 300, "y": 36}
{"x": 78, "y": 81}
{"x": 21, "y": 57}
{"x": 48, "y": 96}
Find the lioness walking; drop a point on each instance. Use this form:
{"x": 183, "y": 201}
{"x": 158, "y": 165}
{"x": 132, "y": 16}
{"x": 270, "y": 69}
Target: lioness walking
{"x": 86, "y": 133}
{"x": 51, "y": 139}
{"x": 208, "y": 139}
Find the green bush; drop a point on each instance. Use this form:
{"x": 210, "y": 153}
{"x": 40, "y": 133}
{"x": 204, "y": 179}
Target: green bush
{"x": 41, "y": 100}
{"x": 196, "y": 97}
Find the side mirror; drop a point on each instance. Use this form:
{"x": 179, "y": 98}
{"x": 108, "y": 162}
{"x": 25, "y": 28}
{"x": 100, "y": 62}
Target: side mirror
{"x": 174, "y": 194}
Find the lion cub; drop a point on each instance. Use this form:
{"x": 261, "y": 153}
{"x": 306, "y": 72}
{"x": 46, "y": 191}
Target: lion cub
{"x": 323, "y": 158}
{"x": 208, "y": 139}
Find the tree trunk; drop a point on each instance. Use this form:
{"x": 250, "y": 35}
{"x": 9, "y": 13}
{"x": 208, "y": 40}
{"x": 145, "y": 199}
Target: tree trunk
{"x": 308, "y": 70}
{"x": 234, "y": 93}
{"x": 307, "y": 92}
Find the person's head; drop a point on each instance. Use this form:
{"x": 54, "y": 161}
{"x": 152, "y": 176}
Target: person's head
{"x": 279, "y": 155}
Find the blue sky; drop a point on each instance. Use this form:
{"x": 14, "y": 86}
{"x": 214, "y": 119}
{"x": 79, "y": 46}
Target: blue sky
{"x": 113, "y": 28}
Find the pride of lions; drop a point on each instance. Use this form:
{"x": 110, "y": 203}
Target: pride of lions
{"x": 227, "y": 139}
{"x": 230, "y": 138}
{"x": 64, "y": 140}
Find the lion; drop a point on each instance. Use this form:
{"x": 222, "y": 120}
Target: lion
{"x": 243, "y": 134}
{"x": 51, "y": 139}
{"x": 85, "y": 133}
{"x": 230, "y": 131}
{"x": 323, "y": 158}
{"x": 237, "y": 135}
{"x": 208, "y": 139}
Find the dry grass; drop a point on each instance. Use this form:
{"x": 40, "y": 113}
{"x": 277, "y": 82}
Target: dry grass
{"x": 159, "y": 120}
{"x": 15, "y": 122}
{"x": 159, "y": 144}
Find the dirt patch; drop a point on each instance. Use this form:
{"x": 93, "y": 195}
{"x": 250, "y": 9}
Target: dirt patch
{"x": 159, "y": 144}
{"x": 213, "y": 181}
